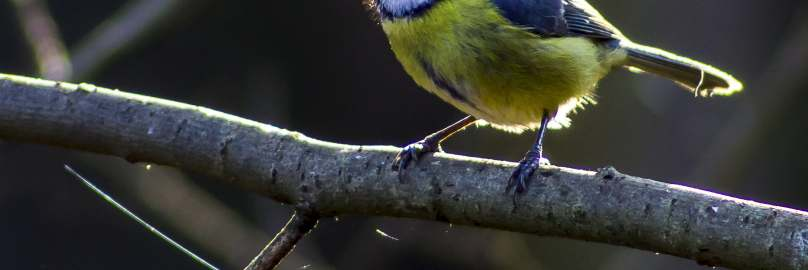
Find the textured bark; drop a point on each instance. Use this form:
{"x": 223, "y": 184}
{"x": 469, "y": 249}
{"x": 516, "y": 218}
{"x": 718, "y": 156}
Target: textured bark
{"x": 336, "y": 179}
{"x": 284, "y": 242}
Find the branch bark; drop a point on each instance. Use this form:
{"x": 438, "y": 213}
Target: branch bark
{"x": 337, "y": 179}
{"x": 301, "y": 223}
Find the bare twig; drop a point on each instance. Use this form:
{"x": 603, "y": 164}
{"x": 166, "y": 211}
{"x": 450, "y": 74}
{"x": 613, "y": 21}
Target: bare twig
{"x": 338, "y": 179}
{"x": 171, "y": 196}
{"x": 176, "y": 199}
{"x": 301, "y": 223}
{"x": 138, "y": 19}
{"x": 781, "y": 79}
{"x": 43, "y": 37}
{"x": 151, "y": 229}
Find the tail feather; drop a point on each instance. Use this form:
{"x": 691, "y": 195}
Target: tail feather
{"x": 697, "y": 77}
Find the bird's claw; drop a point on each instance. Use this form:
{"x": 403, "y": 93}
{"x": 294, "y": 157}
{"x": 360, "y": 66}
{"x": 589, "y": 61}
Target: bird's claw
{"x": 412, "y": 153}
{"x": 524, "y": 171}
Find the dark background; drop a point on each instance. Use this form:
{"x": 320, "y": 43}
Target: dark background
{"x": 324, "y": 68}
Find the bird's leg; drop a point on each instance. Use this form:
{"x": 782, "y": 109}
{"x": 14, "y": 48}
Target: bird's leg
{"x": 532, "y": 160}
{"x": 430, "y": 144}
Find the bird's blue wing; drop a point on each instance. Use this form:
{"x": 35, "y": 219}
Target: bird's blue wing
{"x": 583, "y": 19}
{"x": 558, "y": 18}
{"x": 544, "y": 17}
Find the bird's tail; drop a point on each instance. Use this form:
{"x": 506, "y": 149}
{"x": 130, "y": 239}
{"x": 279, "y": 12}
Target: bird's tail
{"x": 698, "y": 77}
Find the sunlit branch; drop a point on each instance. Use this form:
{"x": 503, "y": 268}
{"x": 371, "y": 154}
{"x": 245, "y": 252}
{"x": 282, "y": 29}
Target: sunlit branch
{"x": 337, "y": 179}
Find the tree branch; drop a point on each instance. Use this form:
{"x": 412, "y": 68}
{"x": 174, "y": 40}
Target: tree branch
{"x": 301, "y": 223}
{"x": 127, "y": 27}
{"x": 336, "y": 179}
{"x": 43, "y": 38}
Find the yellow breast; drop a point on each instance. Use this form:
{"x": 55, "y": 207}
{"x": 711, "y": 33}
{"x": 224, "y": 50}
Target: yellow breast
{"x": 467, "y": 54}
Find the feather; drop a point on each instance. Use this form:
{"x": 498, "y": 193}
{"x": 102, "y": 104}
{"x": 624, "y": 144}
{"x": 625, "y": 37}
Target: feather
{"x": 558, "y": 18}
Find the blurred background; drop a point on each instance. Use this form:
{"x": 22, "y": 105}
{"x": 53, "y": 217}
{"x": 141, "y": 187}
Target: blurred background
{"x": 324, "y": 68}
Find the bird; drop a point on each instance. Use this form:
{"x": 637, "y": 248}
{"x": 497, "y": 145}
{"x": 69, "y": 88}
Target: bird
{"x": 520, "y": 65}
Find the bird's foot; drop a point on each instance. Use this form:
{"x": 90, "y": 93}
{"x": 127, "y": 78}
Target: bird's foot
{"x": 525, "y": 170}
{"x": 413, "y": 152}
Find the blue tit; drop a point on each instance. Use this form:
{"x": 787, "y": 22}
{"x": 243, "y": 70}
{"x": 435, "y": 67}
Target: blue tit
{"x": 520, "y": 64}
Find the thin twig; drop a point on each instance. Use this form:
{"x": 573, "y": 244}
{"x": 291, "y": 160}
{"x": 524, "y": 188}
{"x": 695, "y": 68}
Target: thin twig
{"x": 781, "y": 80}
{"x": 338, "y": 179}
{"x": 135, "y": 21}
{"x": 43, "y": 37}
{"x": 301, "y": 223}
{"x": 173, "y": 197}
{"x": 140, "y": 221}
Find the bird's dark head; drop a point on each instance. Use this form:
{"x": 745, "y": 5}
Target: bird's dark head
{"x": 399, "y": 9}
